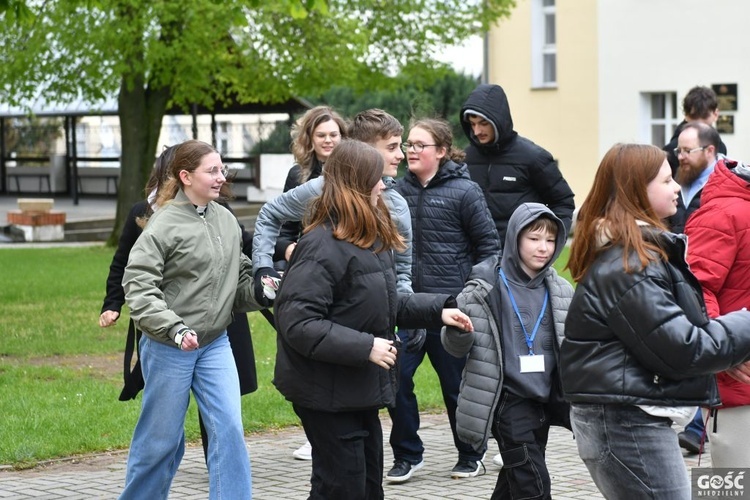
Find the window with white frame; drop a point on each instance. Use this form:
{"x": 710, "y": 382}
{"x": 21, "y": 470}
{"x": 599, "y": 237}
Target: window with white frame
{"x": 223, "y": 138}
{"x": 660, "y": 117}
{"x": 543, "y": 44}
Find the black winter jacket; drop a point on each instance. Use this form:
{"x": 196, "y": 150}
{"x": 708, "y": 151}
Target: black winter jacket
{"x": 513, "y": 170}
{"x": 335, "y": 298}
{"x": 677, "y": 221}
{"x": 452, "y": 229}
{"x": 644, "y": 337}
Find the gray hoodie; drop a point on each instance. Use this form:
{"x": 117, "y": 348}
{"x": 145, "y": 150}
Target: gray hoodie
{"x": 531, "y": 301}
{"x": 485, "y": 376}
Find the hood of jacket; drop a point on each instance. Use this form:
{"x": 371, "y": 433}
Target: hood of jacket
{"x": 448, "y": 170}
{"x": 728, "y": 180}
{"x": 490, "y": 102}
{"x": 525, "y": 214}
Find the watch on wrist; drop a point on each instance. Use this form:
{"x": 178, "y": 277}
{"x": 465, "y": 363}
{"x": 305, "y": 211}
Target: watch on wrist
{"x": 180, "y": 336}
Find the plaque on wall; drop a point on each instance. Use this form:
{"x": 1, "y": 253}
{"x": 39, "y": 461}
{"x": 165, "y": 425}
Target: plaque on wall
{"x": 727, "y": 95}
{"x": 725, "y": 124}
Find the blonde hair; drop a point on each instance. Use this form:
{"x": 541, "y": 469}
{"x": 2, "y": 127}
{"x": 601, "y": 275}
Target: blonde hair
{"x": 302, "y": 137}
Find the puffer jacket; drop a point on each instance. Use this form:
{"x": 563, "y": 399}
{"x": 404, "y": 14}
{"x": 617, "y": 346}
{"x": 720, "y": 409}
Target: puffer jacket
{"x": 334, "y": 299}
{"x": 719, "y": 254}
{"x": 483, "y": 375}
{"x": 644, "y": 338}
{"x": 482, "y": 379}
{"x": 188, "y": 270}
{"x": 513, "y": 170}
{"x": 451, "y": 228}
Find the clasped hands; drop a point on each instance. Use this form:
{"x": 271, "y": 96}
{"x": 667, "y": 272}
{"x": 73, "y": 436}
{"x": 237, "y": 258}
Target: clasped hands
{"x": 384, "y": 353}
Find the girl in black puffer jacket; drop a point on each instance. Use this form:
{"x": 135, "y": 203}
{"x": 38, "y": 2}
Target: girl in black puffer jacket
{"x": 336, "y": 311}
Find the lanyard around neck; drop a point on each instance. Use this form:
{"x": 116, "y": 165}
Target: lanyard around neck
{"x": 529, "y": 338}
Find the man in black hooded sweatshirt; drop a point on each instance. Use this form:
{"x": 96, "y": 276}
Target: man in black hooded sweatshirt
{"x": 509, "y": 168}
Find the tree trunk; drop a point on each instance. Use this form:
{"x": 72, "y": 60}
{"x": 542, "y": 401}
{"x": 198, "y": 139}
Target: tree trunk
{"x": 141, "y": 110}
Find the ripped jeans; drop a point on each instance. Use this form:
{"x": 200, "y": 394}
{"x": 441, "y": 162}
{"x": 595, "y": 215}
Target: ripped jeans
{"x": 347, "y": 453}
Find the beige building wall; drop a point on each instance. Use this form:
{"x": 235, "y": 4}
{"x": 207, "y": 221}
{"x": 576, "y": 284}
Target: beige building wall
{"x": 563, "y": 120}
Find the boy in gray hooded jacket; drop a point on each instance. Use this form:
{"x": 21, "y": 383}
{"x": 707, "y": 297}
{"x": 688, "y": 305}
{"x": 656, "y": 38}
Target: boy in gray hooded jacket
{"x": 510, "y": 386}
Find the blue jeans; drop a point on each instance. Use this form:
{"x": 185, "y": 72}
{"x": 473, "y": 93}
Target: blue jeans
{"x": 696, "y": 425}
{"x": 404, "y": 440}
{"x": 155, "y": 451}
{"x": 629, "y": 453}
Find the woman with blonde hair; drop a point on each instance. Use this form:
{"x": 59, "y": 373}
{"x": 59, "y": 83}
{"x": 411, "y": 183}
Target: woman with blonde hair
{"x": 336, "y": 310}
{"x": 185, "y": 276}
{"x": 639, "y": 351}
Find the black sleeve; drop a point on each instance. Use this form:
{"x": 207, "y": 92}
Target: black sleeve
{"x": 247, "y": 236}
{"x": 115, "y": 297}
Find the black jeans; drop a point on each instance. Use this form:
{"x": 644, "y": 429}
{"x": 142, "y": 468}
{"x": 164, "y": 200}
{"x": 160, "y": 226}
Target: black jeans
{"x": 347, "y": 453}
{"x": 521, "y": 428}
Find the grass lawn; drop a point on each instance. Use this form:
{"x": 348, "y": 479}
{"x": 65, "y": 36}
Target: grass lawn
{"x": 60, "y": 373}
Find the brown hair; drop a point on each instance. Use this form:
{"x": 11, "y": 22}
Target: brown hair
{"x": 699, "y": 103}
{"x": 374, "y": 124}
{"x": 156, "y": 180}
{"x": 160, "y": 172}
{"x": 302, "y": 137}
{"x": 617, "y": 201}
{"x": 442, "y": 134}
{"x": 352, "y": 170}
{"x": 187, "y": 156}
{"x": 541, "y": 223}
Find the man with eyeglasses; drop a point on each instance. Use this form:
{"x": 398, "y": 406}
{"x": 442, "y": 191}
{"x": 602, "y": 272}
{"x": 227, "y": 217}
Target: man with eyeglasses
{"x": 696, "y": 151}
{"x": 699, "y": 105}
{"x": 510, "y": 169}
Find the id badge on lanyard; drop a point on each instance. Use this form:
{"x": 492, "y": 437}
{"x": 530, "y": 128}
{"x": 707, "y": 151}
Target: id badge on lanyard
{"x": 530, "y": 363}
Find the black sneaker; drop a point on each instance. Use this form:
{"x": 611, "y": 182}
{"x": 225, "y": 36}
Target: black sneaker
{"x": 466, "y": 468}
{"x": 402, "y": 471}
{"x": 690, "y": 441}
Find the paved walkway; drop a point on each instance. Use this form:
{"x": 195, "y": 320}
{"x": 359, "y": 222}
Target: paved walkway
{"x": 276, "y": 475}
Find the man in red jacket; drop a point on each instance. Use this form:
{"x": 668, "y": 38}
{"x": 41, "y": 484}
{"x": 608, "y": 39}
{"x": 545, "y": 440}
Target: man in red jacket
{"x": 719, "y": 256}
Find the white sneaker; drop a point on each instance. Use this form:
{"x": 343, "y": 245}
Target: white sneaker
{"x": 304, "y": 452}
{"x": 498, "y": 460}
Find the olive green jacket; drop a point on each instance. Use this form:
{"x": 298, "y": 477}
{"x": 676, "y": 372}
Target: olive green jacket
{"x": 188, "y": 270}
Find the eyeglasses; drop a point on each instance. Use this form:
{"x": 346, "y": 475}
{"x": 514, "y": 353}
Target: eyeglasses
{"x": 215, "y": 171}
{"x": 418, "y": 147}
{"x": 686, "y": 152}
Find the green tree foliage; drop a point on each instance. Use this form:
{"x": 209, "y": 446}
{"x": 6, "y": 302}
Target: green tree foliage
{"x": 153, "y": 53}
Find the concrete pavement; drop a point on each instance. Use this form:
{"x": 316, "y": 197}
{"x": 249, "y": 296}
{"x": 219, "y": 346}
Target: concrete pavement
{"x": 276, "y": 475}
